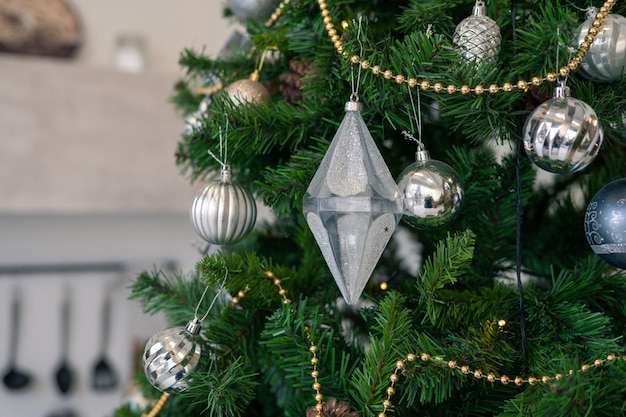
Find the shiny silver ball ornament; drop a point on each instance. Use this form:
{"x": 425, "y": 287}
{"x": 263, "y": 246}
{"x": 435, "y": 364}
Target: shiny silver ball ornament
{"x": 171, "y": 355}
{"x": 605, "y": 59}
{"x": 605, "y": 223}
{"x": 248, "y": 91}
{"x": 223, "y": 212}
{"x": 257, "y": 10}
{"x": 477, "y": 38}
{"x": 563, "y": 135}
{"x": 431, "y": 192}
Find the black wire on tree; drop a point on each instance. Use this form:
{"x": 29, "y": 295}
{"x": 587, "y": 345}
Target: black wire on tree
{"x": 518, "y": 211}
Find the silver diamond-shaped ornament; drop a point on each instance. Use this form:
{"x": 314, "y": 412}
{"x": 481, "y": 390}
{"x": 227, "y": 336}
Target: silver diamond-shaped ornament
{"x": 352, "y": 205}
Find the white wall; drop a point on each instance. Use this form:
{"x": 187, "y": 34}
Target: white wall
{"x": 167, "y": 26}
{"x": 88, "y": 175}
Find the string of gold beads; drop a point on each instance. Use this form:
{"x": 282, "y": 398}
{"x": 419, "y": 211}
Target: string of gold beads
{"x": 242, "y": 293}
{"x": 281, "y": 291}
{"x": 465, "y": 89}
{"x": 319, "y": 398}
{"x": 276, "y": 14}
{"x": 156, "y": 409}
{"x": 479, "y": 374}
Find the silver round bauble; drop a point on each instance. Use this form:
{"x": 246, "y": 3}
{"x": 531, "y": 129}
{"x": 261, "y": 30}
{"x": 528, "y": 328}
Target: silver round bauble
{"x": 606, "y": 57}
{"x": 223, "y": 212}
{"x": 171, "y": 355}
{"x": 605, "y": 223}
{"x": 477, "y": 38}
{"x": 256, "y": 10}
{"x": 563, "y": 135}
{"x": 247, "y": 91}
{"x": 431, "y": 192}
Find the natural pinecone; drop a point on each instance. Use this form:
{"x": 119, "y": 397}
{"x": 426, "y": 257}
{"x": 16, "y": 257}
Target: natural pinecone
{"x": 333, "y": 408}
{"x": 291, "y": 82}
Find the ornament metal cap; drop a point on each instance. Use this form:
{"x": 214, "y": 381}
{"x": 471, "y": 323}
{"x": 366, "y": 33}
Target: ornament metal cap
{"x": 194, "y": 326}
{"x": 353, "y": 106}
{"x": 225, "y": 174}
{"x": 479, "y": 9}
{"x": 422, "y": 156}
{"x": 562, "y": 91}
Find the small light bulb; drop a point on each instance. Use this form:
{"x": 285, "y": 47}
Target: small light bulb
{"x": 344, "y": 24}
{"x": 501, "y": 322}
{"x": 383, "y": 286}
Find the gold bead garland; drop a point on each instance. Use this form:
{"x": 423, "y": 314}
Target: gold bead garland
{"x": 478, "y": 374}
{"x": 156, "y": 409}
{"x": 315, "y": 375}
{"x": 466, "y": 89}
{"x": 274, "y": 17}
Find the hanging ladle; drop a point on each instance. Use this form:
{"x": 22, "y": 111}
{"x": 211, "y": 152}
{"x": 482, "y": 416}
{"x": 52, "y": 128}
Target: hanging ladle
{"x": 14, "y": 378}
{"x": 104, "y": 376}
{"x": 64, "y": 375}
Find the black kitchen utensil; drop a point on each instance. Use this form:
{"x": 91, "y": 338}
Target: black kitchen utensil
{"x": 64, "y": 375}
{"x": 15, "y": 378}
{"x": 104, "y": 377}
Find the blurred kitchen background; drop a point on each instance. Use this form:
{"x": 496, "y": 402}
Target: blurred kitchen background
{"x": 89, "y": 191}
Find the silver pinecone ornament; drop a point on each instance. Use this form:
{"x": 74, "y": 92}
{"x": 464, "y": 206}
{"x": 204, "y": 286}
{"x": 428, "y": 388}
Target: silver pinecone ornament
{"x": 477, "y": 38}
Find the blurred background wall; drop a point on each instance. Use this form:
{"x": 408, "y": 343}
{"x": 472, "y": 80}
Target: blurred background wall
{"x": 89, "y": 191}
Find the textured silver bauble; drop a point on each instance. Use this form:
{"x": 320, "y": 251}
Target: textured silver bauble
{"x": 605, "y": 59}
{"x": 171, "y": 355}
{"x": 563, "y": 135}
{"x": 256, "y": 10}
{"x": 431, "y": 192}
{"x": 605, "y": 223}
{"x": 223, "y": 212}
{"x": 477, "y": 38}
{"x": 248, "y": 92}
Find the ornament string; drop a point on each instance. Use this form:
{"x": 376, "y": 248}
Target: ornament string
{"x": 417, "y": 115}
{"x": 355, "y": 85}
{"x": 223, "y": 148}
{"x": 219, "y": 292}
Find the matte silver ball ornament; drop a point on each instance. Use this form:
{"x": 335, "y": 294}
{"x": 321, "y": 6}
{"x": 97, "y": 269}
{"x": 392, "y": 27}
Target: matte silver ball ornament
{"x": 477, "y": 38}
{"x": 171, "y": 355}
{"x": 223, "y": 212}
{"x": 605, "y": 59}
{"x": 431, "y": 192}
{"x": 248, "y": 91}
{"x": 562, "y": 135}
{"x": 257, "y": 10}
{"x": 605, "y": 223}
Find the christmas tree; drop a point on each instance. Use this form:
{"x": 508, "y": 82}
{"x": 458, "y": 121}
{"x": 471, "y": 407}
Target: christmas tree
{"x": 493, "y": 129}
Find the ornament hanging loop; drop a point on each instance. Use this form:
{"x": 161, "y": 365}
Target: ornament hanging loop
{"x": 222, "y": 159}
{"x": 417, "y": 116}
{"x": 354, "y": 96}
{"x": 194, "y": 325}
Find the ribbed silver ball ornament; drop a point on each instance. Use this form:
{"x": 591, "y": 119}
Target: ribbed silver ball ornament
{"x": 171, "y": 355}
{"x": 477, "y": 38}
{"x": 562, "y": 135}
{"x": 605, "y": 59}
{"x": 223, "y": 212}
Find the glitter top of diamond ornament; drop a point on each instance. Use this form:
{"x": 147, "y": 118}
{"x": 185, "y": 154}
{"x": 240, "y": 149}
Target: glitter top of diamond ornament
{"x": 477, "y": 38}
{"x": 563, "y": 135}
{"x": 431, "y": 192}
{"x": 605, "y": 223}
{"x": 352, "y": 205}
{"x": 171, "y": 355}
{"x": 605, "y": 59}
